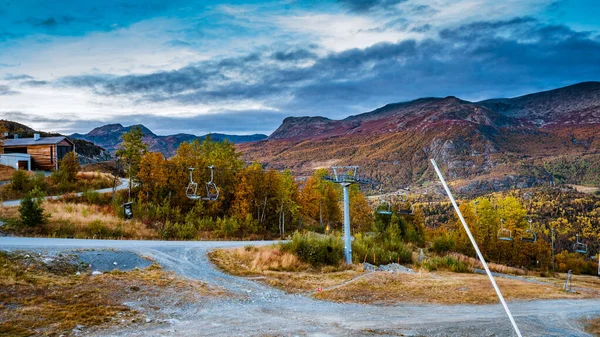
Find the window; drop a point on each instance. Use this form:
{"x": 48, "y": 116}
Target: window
{"x": 63, "y": 150}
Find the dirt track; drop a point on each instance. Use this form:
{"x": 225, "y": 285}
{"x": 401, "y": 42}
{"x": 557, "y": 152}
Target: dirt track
{"x": 258, "y": 310}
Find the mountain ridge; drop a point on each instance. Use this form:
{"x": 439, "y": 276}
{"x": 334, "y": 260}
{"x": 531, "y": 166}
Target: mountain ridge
{"x": 485, "y": 143}
{"x": 109, "y": 137}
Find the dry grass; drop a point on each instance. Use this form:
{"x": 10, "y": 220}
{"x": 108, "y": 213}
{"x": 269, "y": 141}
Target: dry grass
{"x": 443, "y": 288}
{"x": 282, "y": 270}
{"x": 6, "y": 172}
{"x": 271, "y": 266}
{"x": 585, "y": 189}
{"x": 494, "y": 267}
{"x": 91, "y": 221}
{"x": 9, "y": 212}
{"x": 42, "y": 301}
{"x": 592, "y": 326}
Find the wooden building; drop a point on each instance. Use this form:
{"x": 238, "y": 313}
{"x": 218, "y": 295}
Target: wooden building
{"x": 45, "y": 152}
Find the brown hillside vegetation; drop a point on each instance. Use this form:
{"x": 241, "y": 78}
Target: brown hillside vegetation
{"x": 474, "y": 141}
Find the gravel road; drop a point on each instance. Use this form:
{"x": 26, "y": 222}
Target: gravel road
{"x": 259, "y": 310}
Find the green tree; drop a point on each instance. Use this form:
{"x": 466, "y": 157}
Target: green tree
{"x": 131, "y": 150}
{"x": 31, "y": 210}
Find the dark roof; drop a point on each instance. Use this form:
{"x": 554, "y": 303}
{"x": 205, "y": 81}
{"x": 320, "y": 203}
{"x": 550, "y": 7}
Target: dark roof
{"x": 30, "y": 141}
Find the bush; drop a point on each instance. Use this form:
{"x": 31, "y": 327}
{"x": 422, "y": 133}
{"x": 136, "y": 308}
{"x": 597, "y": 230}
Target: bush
{"x": 449, "y": 263}
{"x": 381, "y": 249}
{"x": 316, "y": 250}
{"x": 91, "y": 197}
{"x": 442, "y": 244}
{"x": 20, "y": 181}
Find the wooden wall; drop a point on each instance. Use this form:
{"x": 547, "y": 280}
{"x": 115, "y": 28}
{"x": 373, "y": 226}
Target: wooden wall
{"x": 40, "y": 157}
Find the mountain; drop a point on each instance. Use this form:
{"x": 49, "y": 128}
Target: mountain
{"x": 109, "y": 137}
{"x": 576, "y": 104}
{"x": 489, "y": 145}
{"x": 88, "y": 152}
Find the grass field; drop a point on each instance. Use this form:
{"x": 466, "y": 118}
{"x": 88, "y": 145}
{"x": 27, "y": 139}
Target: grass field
{"x": 352, "y": 285}
{"x": 592, "y": 326}
{"x": 6, "y": 172}
{"x": 50, "y": 299}
{"x": 281, "y": 270}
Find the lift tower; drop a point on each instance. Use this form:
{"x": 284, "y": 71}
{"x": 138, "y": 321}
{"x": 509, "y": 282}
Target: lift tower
{"x": 346, "y": 176}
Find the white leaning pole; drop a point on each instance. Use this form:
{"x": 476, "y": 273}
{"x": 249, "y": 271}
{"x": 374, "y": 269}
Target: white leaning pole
{"x": 487, "y": 269}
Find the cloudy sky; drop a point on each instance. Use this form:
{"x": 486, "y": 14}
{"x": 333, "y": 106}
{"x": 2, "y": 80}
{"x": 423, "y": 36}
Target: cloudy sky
{"x": 242, "y": 66}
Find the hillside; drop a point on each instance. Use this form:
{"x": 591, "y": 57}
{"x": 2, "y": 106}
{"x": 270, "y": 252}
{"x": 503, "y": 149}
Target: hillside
{"x": 109, "y": 137}
{"x": 489, "y": 145}
{"x": 88, "y": 152}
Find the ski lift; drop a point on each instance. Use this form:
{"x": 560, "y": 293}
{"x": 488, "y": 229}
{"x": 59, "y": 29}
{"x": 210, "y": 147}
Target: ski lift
{"x": 407, "y": 211}
{"x": 192, "y": 187}
{"x": 212, "y": 191}
{"x": 384, "y": 207}
{"x": 504, "y": 234}
{"x": 579, "y": 247}
{"x": 529, "y": 235}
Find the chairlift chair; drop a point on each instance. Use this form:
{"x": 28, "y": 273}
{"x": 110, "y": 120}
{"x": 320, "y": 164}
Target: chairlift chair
{"x": 528, "y": 235}
{"x": 504, "y": 234}
{"x": 212, "y": 191}
{"x": 579, "y": 247}
{"x": 192, "y": 188}
{"x": 384, "y": 207}
{"x": 407, "y": 211}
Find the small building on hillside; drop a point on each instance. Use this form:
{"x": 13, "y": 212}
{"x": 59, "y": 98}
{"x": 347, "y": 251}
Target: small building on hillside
{"x": 44, "y": 152}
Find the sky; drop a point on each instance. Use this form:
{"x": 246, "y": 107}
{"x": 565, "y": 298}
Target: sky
{"x": 241, "y": 67}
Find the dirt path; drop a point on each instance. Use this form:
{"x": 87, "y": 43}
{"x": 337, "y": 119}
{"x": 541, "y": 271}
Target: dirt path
{"x": 258, "y": 310}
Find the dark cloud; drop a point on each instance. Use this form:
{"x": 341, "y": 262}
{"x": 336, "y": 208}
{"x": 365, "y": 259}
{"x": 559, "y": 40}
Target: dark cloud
{"x": 294, "y": 55}
{"x": 34, "y": 83}
{"x": 20, "y": 77}
{"x": 367, "y": 5}
{"x": 5, "y": 90}
{"x": 473, "y": 61}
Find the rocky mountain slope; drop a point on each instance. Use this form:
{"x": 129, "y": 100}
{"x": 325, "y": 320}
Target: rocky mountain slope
{"x": 489, "y": 145}
{"x": 88, "y": 152}
{"x": 109, "y": 137}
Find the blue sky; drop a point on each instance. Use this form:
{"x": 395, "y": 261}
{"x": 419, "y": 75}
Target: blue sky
{"x": 242, "y": 66}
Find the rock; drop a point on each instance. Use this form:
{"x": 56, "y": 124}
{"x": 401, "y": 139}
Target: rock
{"x": 148, "y": 320}
{"x": 95, "y": 272}
{"x": 368, "y": 267}
{"x": 115, "y": 263}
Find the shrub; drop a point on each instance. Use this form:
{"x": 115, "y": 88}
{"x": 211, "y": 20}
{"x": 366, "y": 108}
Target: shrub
{"x": 380, "y": 249}
{"x": 20, "y": 181}
{"x": 317, "y": 250}
{"x": 442, "y": 244}
{"x": 91, "y": 197}
{"x": 449, "y": 263}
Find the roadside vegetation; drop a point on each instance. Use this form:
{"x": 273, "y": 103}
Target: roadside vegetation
{"x": 41, "y": 298}
{"x": 67, "y": 178}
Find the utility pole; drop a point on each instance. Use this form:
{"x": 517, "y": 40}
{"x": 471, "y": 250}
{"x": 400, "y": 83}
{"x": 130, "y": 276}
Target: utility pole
{"x": 552, "y": 251}
{"x": 346, "y": 176}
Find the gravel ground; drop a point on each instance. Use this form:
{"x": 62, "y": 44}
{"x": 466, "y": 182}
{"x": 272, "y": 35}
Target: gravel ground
{"x": 258, "y": 310}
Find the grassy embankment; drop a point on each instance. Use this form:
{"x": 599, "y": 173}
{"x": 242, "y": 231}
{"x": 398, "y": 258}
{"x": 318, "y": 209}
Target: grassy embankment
{"x": 78, "y": 220}
{"x": 85, "y": 181}
{"x": 285, "y": 271}
{"x": 50, "y": 299}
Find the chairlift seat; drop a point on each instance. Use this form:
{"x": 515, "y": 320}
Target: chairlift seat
{"x": 580, "y": 248}
{"x": 529, "y": 237}
{"x": 384, "y": 212}
{"x": 505, "y": 235}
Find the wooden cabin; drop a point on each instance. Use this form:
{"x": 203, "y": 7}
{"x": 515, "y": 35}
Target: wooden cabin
{"x": 45, "y": 152}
